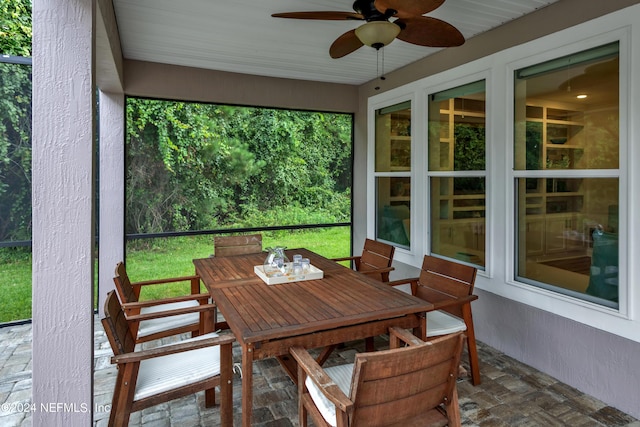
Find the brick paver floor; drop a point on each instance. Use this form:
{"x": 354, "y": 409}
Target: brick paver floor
{"x": 511, "y": 393}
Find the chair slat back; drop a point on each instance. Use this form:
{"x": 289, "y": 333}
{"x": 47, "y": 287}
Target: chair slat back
{"x": 442, "y": 280}
{"x": 376, "y": 255}
{"x": 394, "y": 386}
{"x": 116, "y": 326}
{"x": 237, "y": 245}
{"x": 126, "y": 291}
{"x": 461, "y": 272}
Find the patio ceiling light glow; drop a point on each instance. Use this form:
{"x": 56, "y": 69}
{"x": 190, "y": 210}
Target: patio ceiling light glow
{"x": 581, "y": 96}
{"x": 377, "y": 33}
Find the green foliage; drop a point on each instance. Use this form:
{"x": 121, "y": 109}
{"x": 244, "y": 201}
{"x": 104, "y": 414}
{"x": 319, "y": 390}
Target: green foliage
{"x": 469, "y": 155}
{"x": 15, "y": 152}
{"x": 469, "y": 149}
{"x": 15, "y": 284}
{"x": 15, "y": 254}
{"x": 533, "y": 145}
{"x": 15, "y": 27}
{"x": 15, "y": 122}
{"x": 202, "y": 166}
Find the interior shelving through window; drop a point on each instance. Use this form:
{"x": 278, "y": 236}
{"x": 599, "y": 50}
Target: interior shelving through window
{"x": 457, "y": 173}
{"x": 566, "y": 127}
{"x": 393, "y": 174}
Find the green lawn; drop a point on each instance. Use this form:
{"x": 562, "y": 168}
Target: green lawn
{"x": 15, "y": 289}
{"x": 167, "y": 257}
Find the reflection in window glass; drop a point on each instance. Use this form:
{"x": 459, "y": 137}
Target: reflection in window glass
{"x": 458, "y": 212}
{"x": 393, "y": 138}
{"x": 457, "y": 139}
{"x": 566, "y": 125}
{"x": 567, "y": 113}
{"x": 393, "y": 174}
{"x": 394, "y": 210}
{"x": 568, "y": 234}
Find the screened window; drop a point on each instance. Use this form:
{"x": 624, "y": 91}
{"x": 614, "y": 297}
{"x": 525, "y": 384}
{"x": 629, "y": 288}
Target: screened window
{"x": 393, "y": 174}
{"x": 15, "y": 188}
{"x": 457, "y": 140}
{"x": 194, "y": 167}
{"x": 567, "y": 174}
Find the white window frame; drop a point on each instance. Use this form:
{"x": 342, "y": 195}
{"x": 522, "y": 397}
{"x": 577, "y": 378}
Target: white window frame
{"x": 623, "y": 27}
{"x": 402, "y": 254}
{"x": 481, "y": 76}
{"x": 532, "y": 294}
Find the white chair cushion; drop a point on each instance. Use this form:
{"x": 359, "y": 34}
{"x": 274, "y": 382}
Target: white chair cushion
{"x": 442, "y": 323}
{"x": 341, "y": 375}
{"x": 175, "y": 370}
{"x": 152, "y": 326}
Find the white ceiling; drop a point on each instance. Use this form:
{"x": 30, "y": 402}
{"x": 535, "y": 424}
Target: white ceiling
{"x": 241, "y": 36}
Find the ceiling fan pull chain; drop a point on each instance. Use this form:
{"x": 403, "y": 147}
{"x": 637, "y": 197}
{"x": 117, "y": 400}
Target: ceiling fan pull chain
{"x": 382, "y": 77}
{"x": 380, "y": 64}
{"x": 379, "y": 73}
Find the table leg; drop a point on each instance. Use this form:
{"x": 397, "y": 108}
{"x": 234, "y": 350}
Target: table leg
{"x": 326, "y": 352}
{"x": 421, "y": 330}
{"x": 247, "y": 385}
{"x": 290, "y": 366}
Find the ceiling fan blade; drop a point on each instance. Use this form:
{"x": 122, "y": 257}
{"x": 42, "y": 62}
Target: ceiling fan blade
{"x": 345, "y": 44}
{"x": 408, "y": 8}
{"x": 324, "y": 15}
{"x": 426, "y": 31}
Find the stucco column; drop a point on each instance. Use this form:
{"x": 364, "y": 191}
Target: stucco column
{"x": 111, "y": 228}
{"x": 63, "y": 211}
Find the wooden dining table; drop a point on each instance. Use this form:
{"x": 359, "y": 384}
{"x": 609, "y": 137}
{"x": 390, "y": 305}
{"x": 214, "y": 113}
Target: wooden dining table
{"x": 267, "y": 320}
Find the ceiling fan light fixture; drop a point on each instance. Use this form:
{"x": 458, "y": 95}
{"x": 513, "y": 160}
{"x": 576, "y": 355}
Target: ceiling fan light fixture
{"x": 377, "y": 33}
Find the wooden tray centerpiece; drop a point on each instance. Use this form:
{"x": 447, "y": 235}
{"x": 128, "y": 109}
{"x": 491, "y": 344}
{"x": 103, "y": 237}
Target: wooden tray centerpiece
{"x": 314, "y": 273}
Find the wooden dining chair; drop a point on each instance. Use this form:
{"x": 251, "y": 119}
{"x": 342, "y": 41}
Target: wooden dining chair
{"x": 224, "y": 246}
{"x": 186, "y": 315}
{"x": 237, "y": 245}
{"x": 375, "y": 261}
{"x": 403, "y": 386}
{"x": 449, "y": 287}
{"x": 150, "y": 377}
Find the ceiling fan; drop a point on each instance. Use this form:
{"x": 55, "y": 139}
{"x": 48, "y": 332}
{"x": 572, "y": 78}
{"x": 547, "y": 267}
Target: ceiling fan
{"x": 408, "y": 25}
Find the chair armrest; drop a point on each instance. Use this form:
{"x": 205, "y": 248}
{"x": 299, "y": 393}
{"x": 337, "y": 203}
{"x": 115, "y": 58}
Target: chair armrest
{"x": 452, "y": 302}
{"x": 402, "y": 281}
{"x": 325, "y": 384}
{"x": 377, "y": 270}
{"x": 154, "y": 302}
{"x": 137, "y": 356}
{"x": 346, "y": 258}
{"x": 168, "y": 313}
{"x": 167, "y": 280}
{"x": 404, "y": 336}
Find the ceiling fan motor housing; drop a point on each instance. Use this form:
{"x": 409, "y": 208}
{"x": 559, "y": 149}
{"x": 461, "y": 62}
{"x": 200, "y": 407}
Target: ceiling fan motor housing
{"x": 368, "y": 9}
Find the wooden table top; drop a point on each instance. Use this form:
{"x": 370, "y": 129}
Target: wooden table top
{"x": 232, "y": 271}
{"x": 257, "y": 312}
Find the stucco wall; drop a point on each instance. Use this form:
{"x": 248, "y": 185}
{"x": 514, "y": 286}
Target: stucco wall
{"x": 150, "y": 80}
{"x": 63, "y": 216}
{"x": 112, "y": 191}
